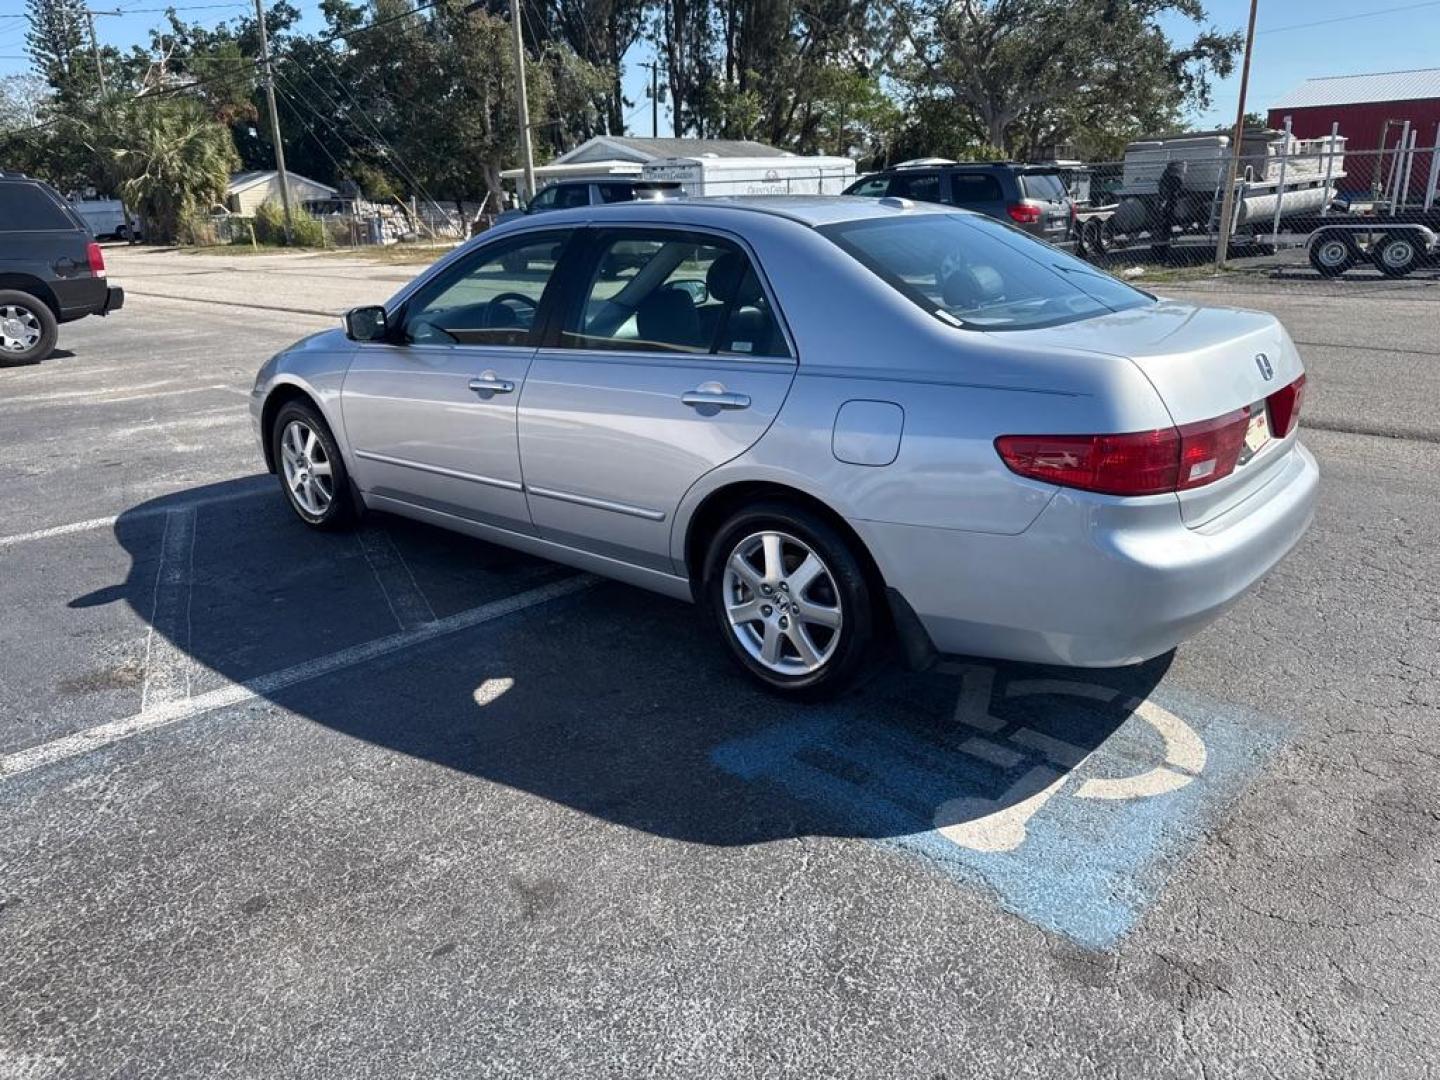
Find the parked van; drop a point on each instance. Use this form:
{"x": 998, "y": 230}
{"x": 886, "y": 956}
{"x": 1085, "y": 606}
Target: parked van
{"x": 106, "y": 218}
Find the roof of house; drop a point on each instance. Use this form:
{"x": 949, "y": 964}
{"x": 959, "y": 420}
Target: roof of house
{"x": 624, "y": 148}
{"x": 1363, "y": 89}
{"x": 241, "y": 181}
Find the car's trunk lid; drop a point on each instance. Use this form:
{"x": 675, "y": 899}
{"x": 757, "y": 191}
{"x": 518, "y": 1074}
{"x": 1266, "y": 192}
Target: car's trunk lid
{"x": 1204, "y": 363}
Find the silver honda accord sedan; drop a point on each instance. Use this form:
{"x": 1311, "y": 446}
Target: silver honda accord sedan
{"x": 835, "y": 424}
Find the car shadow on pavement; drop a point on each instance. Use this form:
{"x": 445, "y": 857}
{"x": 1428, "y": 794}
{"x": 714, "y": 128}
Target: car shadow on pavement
{"x": 608, "y": 700}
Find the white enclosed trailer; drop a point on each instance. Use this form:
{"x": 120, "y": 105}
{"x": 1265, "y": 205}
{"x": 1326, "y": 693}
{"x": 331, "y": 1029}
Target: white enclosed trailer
{"x": 709, "y": 174}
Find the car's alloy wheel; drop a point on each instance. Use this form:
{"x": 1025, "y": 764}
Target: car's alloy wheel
{"x": 782, "y": 603}
{"x": 20, "y": 329}
{"x": 791, "y": 597}
{"x": 311, "y": 469}
{"x": 28, "y": 329}
{"x": 309, "y": 475}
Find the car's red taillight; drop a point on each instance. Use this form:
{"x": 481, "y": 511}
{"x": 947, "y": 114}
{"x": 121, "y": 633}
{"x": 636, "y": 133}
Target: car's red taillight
{"x": 1285, "y": 407}
{"x": 1025, "y": 215}
{"x": 96, "y": 258}
{"x": 1137, "y": 463}
{"x": 1134, "y": 463}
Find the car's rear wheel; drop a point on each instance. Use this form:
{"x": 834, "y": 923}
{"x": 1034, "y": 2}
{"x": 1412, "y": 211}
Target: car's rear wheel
{"x": 311, "y": 470}
{"x": 791, "y": 599}
{"x": 28, "y": 329}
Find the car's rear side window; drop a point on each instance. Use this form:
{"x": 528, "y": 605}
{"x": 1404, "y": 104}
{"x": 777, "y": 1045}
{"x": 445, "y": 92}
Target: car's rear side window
{"x": 975, "y": 188}
{"x": 1043, "y": 185}
{"x": 922, "y": 187}
{"x": 975, "y": 272}
{"x": 26, "y": 208}
{"x": 673, "y": 292}
{"x": 616, "y": 192}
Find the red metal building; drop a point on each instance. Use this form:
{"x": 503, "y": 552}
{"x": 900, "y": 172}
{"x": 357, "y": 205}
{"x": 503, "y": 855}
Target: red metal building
{"x": 1362, "y": 104}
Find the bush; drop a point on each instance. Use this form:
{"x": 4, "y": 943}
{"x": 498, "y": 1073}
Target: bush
{"x": 305, "y": 231}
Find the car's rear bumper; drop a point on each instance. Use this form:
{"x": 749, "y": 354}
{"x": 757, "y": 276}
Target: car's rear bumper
{"x": 114, "y": 299}
{"x": 1094, "y": 582}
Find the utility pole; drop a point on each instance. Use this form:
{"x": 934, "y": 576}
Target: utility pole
{"x": 95, "y": 45}
{"x": 526, "y": 154}
{"x": 1227, "y": 205}
{"x": 274, "y": 121}
{"x": 654, "y": 98}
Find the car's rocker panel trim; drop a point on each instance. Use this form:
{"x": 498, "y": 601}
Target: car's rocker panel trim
{"x": 658, "y": 581}
{"x": 439, "y": 470}
{"x": 597, "y": 504}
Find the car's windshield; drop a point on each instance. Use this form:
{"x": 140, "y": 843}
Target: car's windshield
{"x": 978, "y": 273}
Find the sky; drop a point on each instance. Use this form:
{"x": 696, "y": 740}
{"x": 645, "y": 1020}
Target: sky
{"x": 1295, "y": 40}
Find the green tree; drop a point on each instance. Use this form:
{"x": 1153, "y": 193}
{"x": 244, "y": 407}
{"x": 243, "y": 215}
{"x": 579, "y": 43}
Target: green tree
{"x": 55, "y": 39}
{"x": 173, "y": 159}
{"x": 1031, "y": 75}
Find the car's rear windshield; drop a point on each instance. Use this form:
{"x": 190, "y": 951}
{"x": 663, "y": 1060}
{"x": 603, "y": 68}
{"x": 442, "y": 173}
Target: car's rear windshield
{"x": 1043, "y": 185}
{"x": 27, "y": 207}
{"x": 976, "y": 272}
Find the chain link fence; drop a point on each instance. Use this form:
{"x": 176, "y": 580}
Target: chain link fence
{"x": 1322, "y": 209}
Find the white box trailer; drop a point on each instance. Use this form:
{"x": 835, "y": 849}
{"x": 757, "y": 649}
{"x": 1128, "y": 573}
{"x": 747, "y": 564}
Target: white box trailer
{"x": 790, "y": 175}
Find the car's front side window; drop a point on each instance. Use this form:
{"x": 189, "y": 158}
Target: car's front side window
{"x": 490, "y": 299}
{"x": 658, "y": 291}
{"x": 975, "y": 272}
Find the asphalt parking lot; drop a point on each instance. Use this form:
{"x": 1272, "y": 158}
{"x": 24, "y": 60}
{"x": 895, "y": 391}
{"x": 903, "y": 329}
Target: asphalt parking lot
{"x": 400, "y": 803}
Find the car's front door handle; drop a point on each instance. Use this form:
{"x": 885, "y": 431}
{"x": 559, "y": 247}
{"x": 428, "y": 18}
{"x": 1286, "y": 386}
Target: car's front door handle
{"x": 489, "y": 383}
{"x": 715, "y": 399}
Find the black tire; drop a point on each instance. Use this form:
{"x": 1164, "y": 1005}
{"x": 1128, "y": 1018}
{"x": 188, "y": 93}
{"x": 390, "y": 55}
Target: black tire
{"x": 852, "y": 594}
{"x": 1332, "y": 254}
{"x": 27, "y": 314}
{"x": 340, "y": 512}
{"x": 1397, "y": 254}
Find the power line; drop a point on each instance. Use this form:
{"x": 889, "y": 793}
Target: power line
{"x": 1348, "y": 18}
{"x": 390, "y": 150}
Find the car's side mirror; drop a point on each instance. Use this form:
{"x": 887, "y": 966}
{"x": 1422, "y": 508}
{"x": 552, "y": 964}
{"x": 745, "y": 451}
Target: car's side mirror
{"x": 366, "y": 324}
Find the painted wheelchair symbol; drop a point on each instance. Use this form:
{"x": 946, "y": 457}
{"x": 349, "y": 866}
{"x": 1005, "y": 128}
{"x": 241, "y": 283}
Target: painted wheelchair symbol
{"x": 999, "y": 825}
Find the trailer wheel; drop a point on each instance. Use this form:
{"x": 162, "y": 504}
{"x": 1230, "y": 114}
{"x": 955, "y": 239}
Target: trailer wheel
{"x": 1097, "y": 235}
{"x": 1332, "y": 254}
{"x": 1397, "y": 254}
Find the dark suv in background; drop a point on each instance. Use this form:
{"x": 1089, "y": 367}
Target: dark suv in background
{"x": 1031, "y": 197}
{"x": 51, "y": 269}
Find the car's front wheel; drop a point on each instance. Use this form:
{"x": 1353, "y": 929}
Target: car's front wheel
{"x": 28, "y": 329}
{"x": 790, "y": 596}
{"x": 312, "y": 473}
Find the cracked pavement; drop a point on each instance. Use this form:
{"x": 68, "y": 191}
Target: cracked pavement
{"x": 511, "y": 849}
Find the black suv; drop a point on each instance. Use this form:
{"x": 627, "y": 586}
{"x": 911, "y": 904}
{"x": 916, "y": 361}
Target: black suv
{"x": 1032, "y": 197}
{"x": 51, "y": 269}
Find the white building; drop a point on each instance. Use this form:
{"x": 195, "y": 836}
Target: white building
{"x": 620, "y": 155}
{"x": 248, "y": 191}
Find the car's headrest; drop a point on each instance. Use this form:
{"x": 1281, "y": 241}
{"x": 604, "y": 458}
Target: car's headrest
{"x": 730, "y": 280}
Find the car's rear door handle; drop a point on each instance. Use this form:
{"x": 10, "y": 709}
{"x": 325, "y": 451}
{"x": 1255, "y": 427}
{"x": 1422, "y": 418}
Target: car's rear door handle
{"x": 489, "y": 383}
{"x": 715, "y": 399}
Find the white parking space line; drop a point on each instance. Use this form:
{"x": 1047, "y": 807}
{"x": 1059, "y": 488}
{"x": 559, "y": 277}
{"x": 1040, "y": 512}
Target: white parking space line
{"x": 97, "y": 397}
{"x": 407, "y": 602}
{"x": 93, "y": 392}
{"x": 245, "y": 489}
{"x": 167, "y": 660}
{"x": 83, "y": 742}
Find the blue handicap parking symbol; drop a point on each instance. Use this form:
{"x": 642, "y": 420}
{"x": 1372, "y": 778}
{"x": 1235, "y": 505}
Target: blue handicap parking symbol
{"x": 1070, "y": 799}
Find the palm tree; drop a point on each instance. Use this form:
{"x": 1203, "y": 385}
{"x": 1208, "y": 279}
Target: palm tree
{"x": 172, "y": 158}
